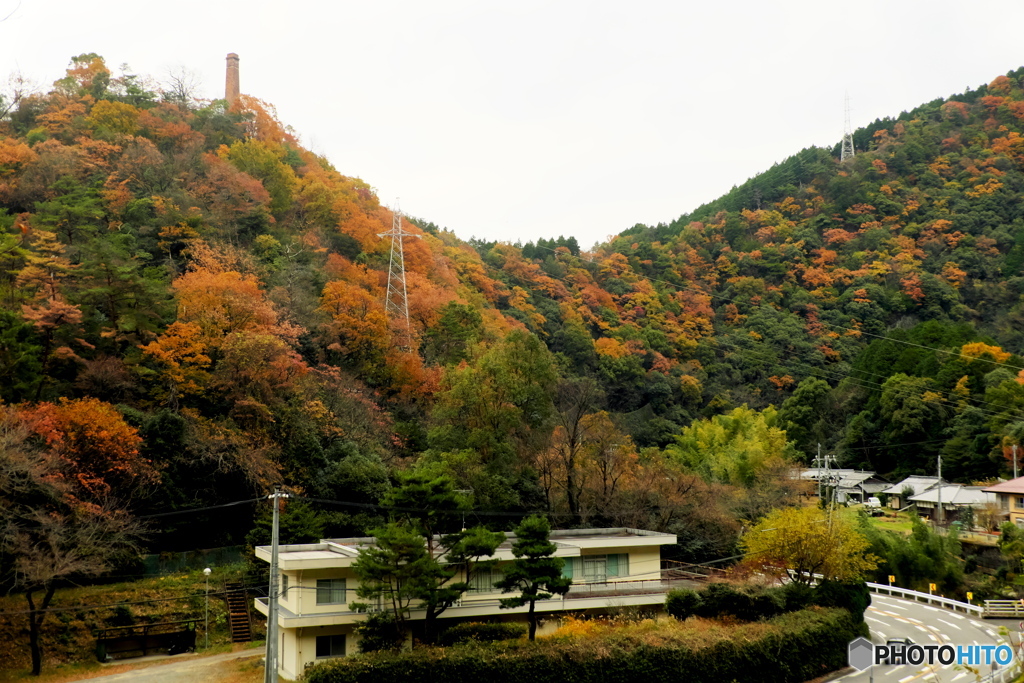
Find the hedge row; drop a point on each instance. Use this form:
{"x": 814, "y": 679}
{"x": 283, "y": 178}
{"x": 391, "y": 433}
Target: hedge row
{"x": 791, "y": 648}
{"x": 752, "y": 604}
{"x": 484, "y": 632}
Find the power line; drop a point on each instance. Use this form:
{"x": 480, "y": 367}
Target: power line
{"x": 202, "y": 509}
{"x": 92, "y": 608}
{"x": 895, "y": 445}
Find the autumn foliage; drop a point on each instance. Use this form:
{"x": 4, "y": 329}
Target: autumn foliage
{"x": 192, "y": 301}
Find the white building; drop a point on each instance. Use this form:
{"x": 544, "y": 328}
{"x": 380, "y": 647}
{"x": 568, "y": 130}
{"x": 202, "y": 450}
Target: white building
{"x": 609, "y": 567}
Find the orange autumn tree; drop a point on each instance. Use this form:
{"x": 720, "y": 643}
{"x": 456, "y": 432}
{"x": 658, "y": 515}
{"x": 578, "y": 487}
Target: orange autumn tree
{"x": 221, "y": 300}
{"x": 57, "y": 466}
{"x": 96, "y": 452}
{"x": 357, "y": 327}
{"x": 228, "y": 335}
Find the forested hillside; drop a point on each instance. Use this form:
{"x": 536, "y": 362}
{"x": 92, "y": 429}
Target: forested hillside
{"x": 192, "y": 311}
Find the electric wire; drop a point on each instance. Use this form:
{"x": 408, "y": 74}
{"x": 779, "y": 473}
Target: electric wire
{"x": 186, "y": 511}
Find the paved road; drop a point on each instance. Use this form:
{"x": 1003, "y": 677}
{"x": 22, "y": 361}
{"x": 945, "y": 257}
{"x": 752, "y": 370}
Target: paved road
{"x": 890, "y": 617}
{"x": 181, "y": 669}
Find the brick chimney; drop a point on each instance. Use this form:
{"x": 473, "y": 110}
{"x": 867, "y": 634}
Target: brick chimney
{"x": 231, "y": 83}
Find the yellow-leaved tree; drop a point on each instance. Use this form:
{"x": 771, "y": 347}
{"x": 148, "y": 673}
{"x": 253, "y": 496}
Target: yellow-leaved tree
{"x": 809, "y": 543}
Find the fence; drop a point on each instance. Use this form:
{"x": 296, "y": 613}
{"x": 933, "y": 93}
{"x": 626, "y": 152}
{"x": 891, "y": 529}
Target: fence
{"x": 672, "y": 569}
{"x": 1003, "y": 609}
{"x": 1003, "y": 675}
{"x": 172, "y": 563}
{"x": 917, "y": 596}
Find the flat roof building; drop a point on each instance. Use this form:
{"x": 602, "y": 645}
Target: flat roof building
{"x": 609, "y": 568}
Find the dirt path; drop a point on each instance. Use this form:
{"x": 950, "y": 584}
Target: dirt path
{"x": 187, "y": 669}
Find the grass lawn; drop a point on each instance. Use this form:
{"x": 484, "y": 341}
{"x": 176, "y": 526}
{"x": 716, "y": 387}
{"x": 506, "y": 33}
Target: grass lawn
{"x": 894, "y": 521}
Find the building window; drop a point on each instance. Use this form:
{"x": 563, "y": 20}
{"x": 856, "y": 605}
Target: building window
{"x": 284, "y": 586}
{"x": 330, "y": 646}
{"x": 1018, "y": 502}
{"x": 595, "y": 568}
{"x": 484, "y": 579}
{"x": 330, "y": 592}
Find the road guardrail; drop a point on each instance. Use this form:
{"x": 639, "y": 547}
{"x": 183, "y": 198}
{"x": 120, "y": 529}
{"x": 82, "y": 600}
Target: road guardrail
{"x": 930, "y": 599}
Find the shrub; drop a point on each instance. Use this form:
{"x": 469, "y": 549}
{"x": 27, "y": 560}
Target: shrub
{"x": 753, "y": 604}
{"x": 850, "y": 596}
{"x": 766, "y": 604}
{"x": 379, "y": 632}
{"x": 797, "y": 596}
{"x": 798, "y": 646}
{"x": 719, "y": 599}
{"x": 682, "y": 603}
{"x": 482, "y": 632}
{"x": 749, "y": 605}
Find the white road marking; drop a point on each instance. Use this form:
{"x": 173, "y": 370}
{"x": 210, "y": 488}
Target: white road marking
{"x": 907, "y": 678}
{"x": 991, "y": 632}
{"x": 949, "y": 624}
{"x": 958, "y": 616}
{"x": 960, "y": 676}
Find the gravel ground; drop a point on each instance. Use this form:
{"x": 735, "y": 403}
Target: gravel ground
{"x": 184, "y": 669}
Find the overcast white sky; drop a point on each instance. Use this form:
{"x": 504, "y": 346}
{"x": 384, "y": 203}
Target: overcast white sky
{"x": 528, "y": 119}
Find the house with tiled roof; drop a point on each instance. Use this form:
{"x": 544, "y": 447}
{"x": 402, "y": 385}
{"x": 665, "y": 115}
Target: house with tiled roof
{"x": 956, "y": 501}
{"x": 852, "y": 485}
{"x": 917, "y": 484}
{"x": 858, "y": 486}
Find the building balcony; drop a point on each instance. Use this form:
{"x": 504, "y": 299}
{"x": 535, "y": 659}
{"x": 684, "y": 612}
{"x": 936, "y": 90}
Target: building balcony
{"x": 581, "y": 596}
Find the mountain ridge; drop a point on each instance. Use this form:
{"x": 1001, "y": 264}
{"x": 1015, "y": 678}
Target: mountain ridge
{"x": 193, "y": 265}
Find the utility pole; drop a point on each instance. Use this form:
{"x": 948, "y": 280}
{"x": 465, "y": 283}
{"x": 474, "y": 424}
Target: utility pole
{"x": 823, "y": 463}
{"x": 846, "y": 150}
{"x": 1014, "y": 461}
{"x": 396, "y": 304}
{"x": 832, "y": 490}
{"x": 270, "y": 672}
{"x": 938, "y": 516}
{"x": 817, "y": 460}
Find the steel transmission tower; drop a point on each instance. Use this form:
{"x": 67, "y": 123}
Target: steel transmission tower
{"x": 846, "y": 152}
{"x": 396, "y": 304}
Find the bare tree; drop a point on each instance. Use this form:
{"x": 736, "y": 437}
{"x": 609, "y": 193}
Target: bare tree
{"x": 17, "y": 89}
{"x": 575, "y": 399}
{"x": 46, "y": 541}
{"x": 52, "y": 548}
{"x": 181, "y": 87}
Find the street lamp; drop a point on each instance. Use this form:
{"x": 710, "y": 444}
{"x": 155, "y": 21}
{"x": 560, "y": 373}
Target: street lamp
{"x": 207, "y": 572}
